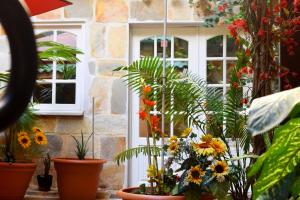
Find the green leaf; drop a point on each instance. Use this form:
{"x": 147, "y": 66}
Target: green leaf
{"x": 219, "y": 190}
{"x": 281, "y": 159}
{"x": 296, "y": 188}
{"x": 192, "y": 194}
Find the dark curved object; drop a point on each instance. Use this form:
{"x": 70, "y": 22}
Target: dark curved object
{"x": 23, "y": 73}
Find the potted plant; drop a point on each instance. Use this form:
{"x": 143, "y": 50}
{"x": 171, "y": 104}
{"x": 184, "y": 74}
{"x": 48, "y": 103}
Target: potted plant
{"x": 78, "y": 178}
{"x": 45, "y": 180}
{"x": 23, "y": 143}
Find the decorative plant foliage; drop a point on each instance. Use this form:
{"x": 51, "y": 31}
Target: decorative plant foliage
{"x": 81, "y": 146}
{"x": 281, "y": 159}
{"x": 267, "y": 112}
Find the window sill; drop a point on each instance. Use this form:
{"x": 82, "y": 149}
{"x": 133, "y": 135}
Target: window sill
{"x": 60, "y": 113}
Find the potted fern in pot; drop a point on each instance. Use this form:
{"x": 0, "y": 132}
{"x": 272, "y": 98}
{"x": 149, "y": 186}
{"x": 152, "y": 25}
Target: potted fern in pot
{"x": 78, "y": 178}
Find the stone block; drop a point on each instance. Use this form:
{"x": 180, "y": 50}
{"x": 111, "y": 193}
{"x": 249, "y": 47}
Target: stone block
{"x": 111, "y": 11}
{"x": 179, "y": 10}
{"x": 55, "y": 144}
{"x": 201, "y": 10}
{"x": 80, "y": 9}
{"x": 106, "y": 67}
{"x": 47, "y": 123}
{"x": 147, "y": 10}
{"x": 52, "y": 15}
{"x": 98, "y": 40}
{"x": 72, "y": 125}
{"x": 112, "y": 176}
{"x": 119, "y": 97}
{"x": 110, "y": 146}
{"x": 110, "y": 124}
{"x": 117, "y": 41}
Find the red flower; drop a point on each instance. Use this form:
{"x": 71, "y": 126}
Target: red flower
{"x": 283, "y": 3}
{"x": 147, "y": 89}
{"x": 261, "y": 33}
{"x": 232, "y": 31}
{"x": 143, "y": 115}
{"x": 235, "y": 85}
{"x": 221, "y": 8}
{"x": 244, "y": 70}
{"x": 264, "y": 20}
{"x": 244, "y": 101}
{"x": 154, "y": 122}
{"x": 239, "y": 75}
{"x": 248, "y": 53}
{"x": 250, "y": 70}
{"x": 149, "y": 103}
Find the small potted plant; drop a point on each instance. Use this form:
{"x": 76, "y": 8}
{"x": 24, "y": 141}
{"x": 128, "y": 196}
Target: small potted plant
{"x": 78, "y": 178}
{"x": 45, "y": 181}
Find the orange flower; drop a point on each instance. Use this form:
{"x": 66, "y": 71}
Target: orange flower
{"x": 147, "y": 89}
{"x": 154, "y": 122}
{"x": 248, "y": 52}
{"x": 149, "y": 103}
{"x": 143, "y": 115}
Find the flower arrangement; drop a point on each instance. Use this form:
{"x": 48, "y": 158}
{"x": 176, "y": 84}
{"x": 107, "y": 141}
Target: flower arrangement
{"x": 201, "y": 161}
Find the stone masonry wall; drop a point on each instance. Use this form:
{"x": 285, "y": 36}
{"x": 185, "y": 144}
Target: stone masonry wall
{"x": 108, "y": 46}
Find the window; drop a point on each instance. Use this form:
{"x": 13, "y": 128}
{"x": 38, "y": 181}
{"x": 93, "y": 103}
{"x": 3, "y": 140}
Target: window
{"x": 59, "y": 85}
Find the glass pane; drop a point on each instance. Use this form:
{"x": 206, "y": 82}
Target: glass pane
{"x": 66, "y": 71}
{"x": 65, "y": 93}
{"x": 44, "y": 37}
{"x": 231, "y": 47}
{"x": 181, "y": 48}
{"x": 179, "y": 126}
{"x": 230, "y": 67}
{"x": 45, "y": 70}
{"x": 215, "y": 47}
{"x": 43, "y": 94}
{"x": 160, "y": 44}
{"x": 215, "y": 72}
{"x": 66, "y": 38}
{"x": 147, "y": 47}
{"x": 181, "y": 65}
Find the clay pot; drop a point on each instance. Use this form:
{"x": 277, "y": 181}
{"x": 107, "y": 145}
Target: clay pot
{"x": 128, "y": 194}
{"x": 15, "y": 179}
{"x": 78, "y": 179}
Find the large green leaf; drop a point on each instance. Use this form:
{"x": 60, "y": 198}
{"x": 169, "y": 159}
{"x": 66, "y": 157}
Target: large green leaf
{"x": 281, "y": 159}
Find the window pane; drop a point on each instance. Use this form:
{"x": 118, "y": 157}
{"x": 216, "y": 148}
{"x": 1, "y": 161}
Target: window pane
{"x": 181, "y": 65}
{"x": 215, "y": 47}
{"x": 231, "y": 47}
{"x": 215, "y": 72}
{"x": 181, "y": 48}
{"x": 160, "y": 47}
{"x": 65, "y": 93}
{"x": 179, "y": 126}
{"x": 147, "y": 47}
{"x": 66, "y": 38}
{"x": 230, "y": 67}
{"x": 66, "y": 71}
{"x": 45, "y": 70}
{"x": 44, "y": 37}
{"x": 43, "y": 94}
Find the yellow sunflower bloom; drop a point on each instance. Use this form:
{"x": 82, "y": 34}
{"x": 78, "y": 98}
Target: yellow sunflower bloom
{"x": 220, "y": 170}
{"x": 37, "y": 130}
{"x": 207, "y": 138}
{"x": 24, "y": 141}
{"x": 40, "y": 139}
{"x": 195, "y": 175}
{"x": 23, "y": 133}
{"x": 203, "y": 148}
{"x": 186, "y": 132}
{"x": 173, "y": 139}
{"x": 219, "y": 146}
{"x": 173, "y": 148}
{"x": 151, "y": 171}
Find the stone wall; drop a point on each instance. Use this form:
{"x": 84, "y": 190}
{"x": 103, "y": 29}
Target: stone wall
{"x": 108, "y": 46}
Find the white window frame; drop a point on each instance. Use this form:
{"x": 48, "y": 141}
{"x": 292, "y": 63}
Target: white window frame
{"x": 77, "y": 109}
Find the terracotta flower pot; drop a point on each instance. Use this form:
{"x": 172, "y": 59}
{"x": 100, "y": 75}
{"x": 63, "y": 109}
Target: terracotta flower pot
{"x": 128, "y": 194}
{"x": 77, "y": 179}
{"x": 15, "y": 179}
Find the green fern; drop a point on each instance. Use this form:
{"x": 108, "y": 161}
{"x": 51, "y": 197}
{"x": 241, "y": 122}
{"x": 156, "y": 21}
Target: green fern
{"x": 134, "y": 152}
{"x": 281, "y": 159}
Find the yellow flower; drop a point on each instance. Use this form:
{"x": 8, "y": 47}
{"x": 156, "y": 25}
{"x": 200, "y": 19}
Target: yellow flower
{"x": 151, "y": 171}
{"x": 173, "y": 148}
{"x": 203, "y": 148}
{"x": 37, "y": 130}
{"x": 40, "y": 138}
{"x": 24, "y": 141}
{"x": 220, "y": 170}
{"x": 207, "y": 138}
{"x": 186, "y": 132}
{"x": 23, "y": 133}
{"x": 219, "y": 146}
{"x": 195, "y": 175}
{"x": 173, "y": 139}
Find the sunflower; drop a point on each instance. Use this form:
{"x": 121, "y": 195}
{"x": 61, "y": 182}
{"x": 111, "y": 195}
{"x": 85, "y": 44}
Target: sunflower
{"x": 203, "y": 148}
{"x": 195, "y": 175}
{"x": 40, "y": 138}
{"x": 37, "y": 130}
{"x": 207, "y": 138}
{"x": 186, "y": 132}
{"x": 23, "y": 133}
{"x": 151, "y": 171}
{"x": 219, "y": 146}
{"x": 220, "y": 170}
{"x": 173, "y": 139}
{"x": 24, "y": 141}
{"x": 173, "y": 148}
